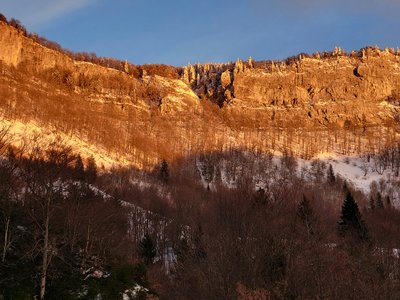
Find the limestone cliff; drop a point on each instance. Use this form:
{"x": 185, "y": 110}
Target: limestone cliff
{"x": 348, "y": 103}
{"x": 339, "y": 90}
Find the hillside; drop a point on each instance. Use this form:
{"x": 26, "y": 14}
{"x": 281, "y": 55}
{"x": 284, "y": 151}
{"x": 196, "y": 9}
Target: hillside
{"x": 305, "y": 105}
{"x": 240, "y": 180}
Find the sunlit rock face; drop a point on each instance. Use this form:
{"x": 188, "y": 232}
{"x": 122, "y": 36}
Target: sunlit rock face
{"x": 330, "y": 91}
{"x": 307, "y": 104}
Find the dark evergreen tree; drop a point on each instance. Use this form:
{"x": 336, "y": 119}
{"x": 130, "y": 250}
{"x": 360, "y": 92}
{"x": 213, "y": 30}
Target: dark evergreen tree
{"x": 147, "y": 249}
{"x": 388, "y": 202}
{"x": 345, "y": 187}
{"x": 330, "y": 176}
{"x": 182, "y": 249}
{"x": 79, "y": 169}
{"x": 91, "y": 170}
{"x": 164, "y": 171}
{"x": 372, "y": 203}
{"x": 350, "y": 220}
{"x": 260, "y": 197}
{"x": 379, "y": 202}
{"x": 198, "y": 251}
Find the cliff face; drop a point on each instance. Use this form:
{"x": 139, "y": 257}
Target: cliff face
{"x": 332, "y": 92}
{"x": 335, "y": 91}
{"x": 92, "y": 80}
{"x": 345, "y": 103}
{"x": 17, "y": 49}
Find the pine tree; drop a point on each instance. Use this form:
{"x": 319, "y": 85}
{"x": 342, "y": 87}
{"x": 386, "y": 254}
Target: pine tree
{"x": 388, "y": 202}
{"x": 350, "y": 219}
{"x": 330, "y": 176}
{"x": 379, "y": 202}
{"x": 259, "y": 197}
{"x": 182, "y": 249}
{"x": 198, "y": 251}
{"x": 147, "y": 249}
{"x": 91, "y": 170}
{"x": 345, "y": 187}
{"x": 79, "y": 169}
{"x": 164, "y": 171}
{"x": 372, "y": 203}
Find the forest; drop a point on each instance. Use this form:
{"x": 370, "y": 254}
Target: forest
{"x": 71, "y": 231}
{"x": 206, "y": 203}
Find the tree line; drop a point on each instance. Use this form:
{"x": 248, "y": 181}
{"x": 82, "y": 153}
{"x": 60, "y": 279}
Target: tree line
{"x": 71, "y": 231}
{"x": 108, "y": 62}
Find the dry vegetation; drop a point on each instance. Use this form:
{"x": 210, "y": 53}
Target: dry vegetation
{"x": 165, "y": 231}
{"x": 187, "y": 222}
{"x": 123, "y": 116}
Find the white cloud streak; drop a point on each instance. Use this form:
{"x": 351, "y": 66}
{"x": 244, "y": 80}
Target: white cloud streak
{"x": 37, "y": 13}
{"x": 307, "y": 6}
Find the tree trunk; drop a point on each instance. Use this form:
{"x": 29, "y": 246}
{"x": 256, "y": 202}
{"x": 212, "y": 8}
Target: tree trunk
{"x": 87, "y": 246}
{"x": 45, "y": 262}
{"x": 87, "y": 240}
{"x": 6, "y": 237}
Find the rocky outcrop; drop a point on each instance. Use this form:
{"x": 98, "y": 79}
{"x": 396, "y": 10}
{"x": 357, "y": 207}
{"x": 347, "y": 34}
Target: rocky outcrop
{"x": 342, "y": 87}
{"x": 313, "y": 80}
{"x": 214, "y": 81}
{"x": 94, "y": 81}
{"x": 18, "y": 50}
{"x": 175, "y": 96}
{"x": 328, "y": 101}
{"x": 317, "y": 90}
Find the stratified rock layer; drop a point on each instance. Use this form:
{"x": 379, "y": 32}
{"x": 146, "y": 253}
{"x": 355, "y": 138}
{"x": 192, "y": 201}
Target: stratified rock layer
{"x": 347, "y": 103}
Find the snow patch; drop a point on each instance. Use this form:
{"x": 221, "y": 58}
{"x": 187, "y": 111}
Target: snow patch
{"x": 134, "y": 292}
{"x": 24, "y": 133}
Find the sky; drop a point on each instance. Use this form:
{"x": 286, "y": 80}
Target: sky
{"x": 178, "y": 32}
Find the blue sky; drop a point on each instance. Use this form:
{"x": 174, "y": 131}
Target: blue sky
{"x": 181, "y": 31}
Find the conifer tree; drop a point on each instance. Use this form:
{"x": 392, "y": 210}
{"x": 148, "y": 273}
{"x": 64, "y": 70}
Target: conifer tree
{"x": 345, "y": 187}
{"x": 379, "y": 202}
{"x": 350, "y": 219}
{"x": 147, "y": 249}
{"x": 164, "y": 171}
{"x": 388, "y": 202}
{"x": 91, "y": 170}
{"x": 372, "y": 203}
{"x": 198, "y": 251}
{"x": 330, "y": 176}
{"x": 79, "y": 169}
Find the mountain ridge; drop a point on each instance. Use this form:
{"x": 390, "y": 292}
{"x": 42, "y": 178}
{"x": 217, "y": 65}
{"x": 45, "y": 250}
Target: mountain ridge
{"x": 304, "y": 105}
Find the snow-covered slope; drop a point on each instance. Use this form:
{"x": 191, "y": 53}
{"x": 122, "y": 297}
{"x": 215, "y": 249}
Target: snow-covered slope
{"x": 25, "y": 134}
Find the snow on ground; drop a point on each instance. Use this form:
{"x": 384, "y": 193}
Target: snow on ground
{"x": 353, "y": 169}
{"x": 134, "y": 292}
{"x": 357, "y": 171}
{"x": 24, "y": 133}
{"x": 361, "y": 173}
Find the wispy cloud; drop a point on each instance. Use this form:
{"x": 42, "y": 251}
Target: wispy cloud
{"x": 39, "y": 12}
{"x": 309, "y": 6}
